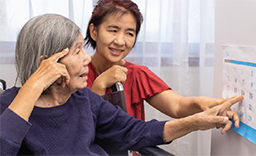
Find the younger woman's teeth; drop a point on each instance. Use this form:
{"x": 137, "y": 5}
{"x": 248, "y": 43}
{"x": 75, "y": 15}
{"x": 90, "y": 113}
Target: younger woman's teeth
{"x": 118, "y": 51}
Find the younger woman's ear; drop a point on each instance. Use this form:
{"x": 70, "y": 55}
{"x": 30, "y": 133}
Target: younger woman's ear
{"x": 93, "y": 31}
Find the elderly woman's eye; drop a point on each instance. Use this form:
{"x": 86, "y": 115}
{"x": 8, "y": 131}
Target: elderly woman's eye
{"x": 78, "y": 52}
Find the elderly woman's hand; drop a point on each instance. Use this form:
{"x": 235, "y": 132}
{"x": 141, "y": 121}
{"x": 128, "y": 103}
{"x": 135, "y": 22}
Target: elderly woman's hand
{"x": 46, "y": 74}
{"x": 206, "y": 103}
{"x": 205, "y": 120}
{"x": 230, "y": 114}
{"x": 220, "y": 110}
{"x": 50, "y": 70}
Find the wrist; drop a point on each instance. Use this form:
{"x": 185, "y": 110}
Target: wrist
{"x": 26, "y": 98}
{"x": 178, "y": 128}
{"x": 34, "y": 86}
{"x": 193, "y": 121}
{"x": 98, "y": 87}
{"x": 198, "y": 103}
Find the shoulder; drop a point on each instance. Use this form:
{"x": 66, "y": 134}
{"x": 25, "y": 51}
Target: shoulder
{"x": 136, "y": 67}
{"x": 94, "y": 102}
{"x": 89, "y": 98}
{"x": 140, "y": 71}
{"x": 143, "y": 79}
{"x": 87, "y": 94}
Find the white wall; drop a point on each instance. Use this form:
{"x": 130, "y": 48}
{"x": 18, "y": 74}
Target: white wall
{"x": 235, "y": 24}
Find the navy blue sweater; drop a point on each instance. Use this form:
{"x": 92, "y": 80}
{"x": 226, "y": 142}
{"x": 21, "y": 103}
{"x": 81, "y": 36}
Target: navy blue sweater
{"x": 71, "y": 128}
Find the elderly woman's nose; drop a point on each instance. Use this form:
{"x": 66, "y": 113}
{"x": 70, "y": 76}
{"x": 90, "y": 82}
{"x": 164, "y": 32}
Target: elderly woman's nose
{"x": 87, "y": 58}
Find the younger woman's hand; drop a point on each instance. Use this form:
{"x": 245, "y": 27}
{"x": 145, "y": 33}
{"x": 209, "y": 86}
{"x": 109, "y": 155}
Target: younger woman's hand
{"x": 205, "y": 102}
{"x": 106, "y": 79}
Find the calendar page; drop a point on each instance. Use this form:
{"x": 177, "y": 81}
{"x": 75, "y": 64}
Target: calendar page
{"x": 239, "y": 78}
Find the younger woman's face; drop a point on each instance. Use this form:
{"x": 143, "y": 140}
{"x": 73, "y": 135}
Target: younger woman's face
{"x": 115, "y": 37}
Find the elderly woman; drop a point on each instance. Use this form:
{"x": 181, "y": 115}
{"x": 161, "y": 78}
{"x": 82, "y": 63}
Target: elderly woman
{"x": 53, "y": 113}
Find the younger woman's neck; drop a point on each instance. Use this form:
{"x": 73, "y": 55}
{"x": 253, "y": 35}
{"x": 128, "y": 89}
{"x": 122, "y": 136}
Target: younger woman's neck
{"x": 101, "y": 64}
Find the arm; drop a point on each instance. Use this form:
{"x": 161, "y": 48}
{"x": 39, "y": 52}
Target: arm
{"x": 125, "y": 132}
{"x": 106, "y": 79}
{"x": 200, "y": 121}
{"x": 47, "y": 73}
{"x": 177, "y": 106}
{"x": 13, "y": 130}
{"x": 14, "y": 120}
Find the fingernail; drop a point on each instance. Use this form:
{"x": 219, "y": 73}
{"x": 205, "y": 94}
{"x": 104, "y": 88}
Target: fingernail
{"x": 66, "y": 49}
{"x": 225, "y": 119}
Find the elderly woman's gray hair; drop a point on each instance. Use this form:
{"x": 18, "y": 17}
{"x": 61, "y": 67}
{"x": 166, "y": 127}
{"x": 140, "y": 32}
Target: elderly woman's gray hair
{"x": 42, "y": 35}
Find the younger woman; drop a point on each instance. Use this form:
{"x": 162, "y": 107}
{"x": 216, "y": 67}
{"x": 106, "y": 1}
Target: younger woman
{"x": 112, "y": 31}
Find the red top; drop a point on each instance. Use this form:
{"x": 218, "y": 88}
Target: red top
{"x": 140, "y": 84}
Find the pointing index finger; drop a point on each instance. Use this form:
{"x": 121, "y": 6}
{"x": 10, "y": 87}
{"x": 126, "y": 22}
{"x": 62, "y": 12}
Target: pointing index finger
{"x": 60, "y": 55}
{"x": 230, "y": 102}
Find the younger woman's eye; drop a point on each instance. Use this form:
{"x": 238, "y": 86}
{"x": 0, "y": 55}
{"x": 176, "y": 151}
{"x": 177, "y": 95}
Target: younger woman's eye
{"x": 131, "y": 34}
{"x": 112, "y": 30}
{"x": 78, "y": 52}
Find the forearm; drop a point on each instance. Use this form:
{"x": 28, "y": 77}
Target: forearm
{"x": 98, "y": 88}
{"x": 188, "y": 106}
{"x": 178, "y": 128}
{"x": 13, "y": 130}
{"x": 173, "y": 104}
{"x": 205, "y": 120}
{"x": 177, "y": 106}
{"x": 192, "y": 105}
{"x": 166, "y": 102}
{"x": 25, "y": 100}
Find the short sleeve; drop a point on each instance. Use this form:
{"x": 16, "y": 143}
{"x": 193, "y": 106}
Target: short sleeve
{"x": 146, "y": 84}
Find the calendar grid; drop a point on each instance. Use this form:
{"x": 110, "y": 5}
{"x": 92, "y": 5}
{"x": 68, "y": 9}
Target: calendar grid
{"x": 239, "y": 78}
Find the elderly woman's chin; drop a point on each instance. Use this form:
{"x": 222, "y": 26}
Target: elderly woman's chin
{"x": 83, "y": 83}
{"x": 73, "y": 86}
{"x": 84, "y": 79}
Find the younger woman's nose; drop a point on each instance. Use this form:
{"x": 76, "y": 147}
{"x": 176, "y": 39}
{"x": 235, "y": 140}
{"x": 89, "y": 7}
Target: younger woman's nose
{"x": 119, "y": 40}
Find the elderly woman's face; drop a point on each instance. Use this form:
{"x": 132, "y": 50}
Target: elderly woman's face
{"x": 76, "y": 62}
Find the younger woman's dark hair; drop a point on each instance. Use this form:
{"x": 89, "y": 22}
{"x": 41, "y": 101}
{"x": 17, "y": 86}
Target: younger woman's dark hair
{"x": 104, "y": 8}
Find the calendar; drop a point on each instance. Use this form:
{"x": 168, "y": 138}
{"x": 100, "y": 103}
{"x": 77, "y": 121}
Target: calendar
{"x": 239, "y": 78}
